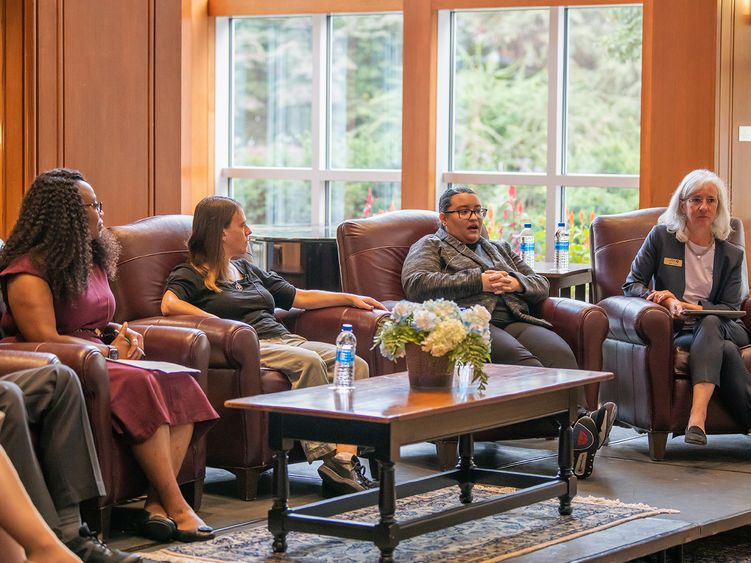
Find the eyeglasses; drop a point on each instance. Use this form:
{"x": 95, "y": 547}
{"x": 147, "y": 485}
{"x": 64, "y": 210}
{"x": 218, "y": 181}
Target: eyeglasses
{"x": 466, "y": 214}
{"x": 96, "y": 205}
{"x": 697, "y": 201}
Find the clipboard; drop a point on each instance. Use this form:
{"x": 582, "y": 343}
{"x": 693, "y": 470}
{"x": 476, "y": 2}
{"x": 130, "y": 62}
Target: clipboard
{"x": 719, "y": 312}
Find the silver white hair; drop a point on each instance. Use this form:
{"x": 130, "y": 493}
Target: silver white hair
{"x": 675, "y": 219}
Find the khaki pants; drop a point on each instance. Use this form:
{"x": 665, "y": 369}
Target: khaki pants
{"x": 307, "y": 364}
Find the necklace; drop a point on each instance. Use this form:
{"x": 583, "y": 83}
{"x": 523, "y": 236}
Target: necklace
{"x": 234, "y": 271}
{"x": 690, "y": 246}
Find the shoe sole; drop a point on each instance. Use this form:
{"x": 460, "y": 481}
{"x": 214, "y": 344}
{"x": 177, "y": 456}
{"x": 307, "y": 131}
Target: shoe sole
{"x": 609, "y": 421}
{"x": 336, "y": 484}
{"x": 584, "y": 452}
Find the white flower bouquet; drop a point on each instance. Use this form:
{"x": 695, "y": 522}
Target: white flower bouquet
{"x": 441, "y": 328}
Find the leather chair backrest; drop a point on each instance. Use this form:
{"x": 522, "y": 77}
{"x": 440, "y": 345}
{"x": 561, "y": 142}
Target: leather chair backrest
{"x": 372, "y": 251}
{"x": 151, "y": 247}
{"x": 616, "y": 239}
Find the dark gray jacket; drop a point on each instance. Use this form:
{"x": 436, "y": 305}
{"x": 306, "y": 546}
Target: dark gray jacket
{"x": 440, "y": 265}
{"x": 662, "y": 258}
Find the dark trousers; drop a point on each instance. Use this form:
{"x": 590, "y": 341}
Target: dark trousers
{"x": 525, "y": 344}
{"x": 718, "y": 361}
{"x": 50, "y": 400}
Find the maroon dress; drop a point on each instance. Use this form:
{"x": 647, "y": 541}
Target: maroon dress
{"x": 141, "y": 400}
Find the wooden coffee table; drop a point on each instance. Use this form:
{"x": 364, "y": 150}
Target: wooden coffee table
{"x": 385, "y": 414}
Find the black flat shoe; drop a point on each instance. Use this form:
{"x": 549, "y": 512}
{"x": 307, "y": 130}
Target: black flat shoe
{"x": 202, "y": 533}
{"x": 695, "y": 436}
{"x": 159, "y": 528}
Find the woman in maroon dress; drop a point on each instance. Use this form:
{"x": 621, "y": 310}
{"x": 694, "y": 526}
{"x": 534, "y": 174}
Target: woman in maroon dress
{"x": 54, "y": 272}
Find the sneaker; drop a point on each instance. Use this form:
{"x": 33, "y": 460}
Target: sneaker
{"x": 604, "y": 418}
{"x": 90, "y": 549}
{"x": 586, "y": 441}
{"x": 343, "y": 474}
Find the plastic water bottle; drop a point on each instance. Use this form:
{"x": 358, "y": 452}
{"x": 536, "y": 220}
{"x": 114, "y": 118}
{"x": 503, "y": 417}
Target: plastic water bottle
{"x": 344, "y": 368}
{"x": 561, "y": 248}
{"x": 527, "y": 238}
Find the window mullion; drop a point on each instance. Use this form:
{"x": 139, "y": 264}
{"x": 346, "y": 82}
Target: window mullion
{"x": 556, "y": 126}
{"x": 444, "y": 101}
{"x": 319, "y": 125}
{"x": 223, "y": 104}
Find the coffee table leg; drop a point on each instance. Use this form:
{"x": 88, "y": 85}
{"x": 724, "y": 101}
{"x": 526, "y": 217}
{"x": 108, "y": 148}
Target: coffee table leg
{"x": 280, "y": 490}
{"x": 387, "y": 508}
{"x": 465, "y": 466}
{"x": 566, "y": 462}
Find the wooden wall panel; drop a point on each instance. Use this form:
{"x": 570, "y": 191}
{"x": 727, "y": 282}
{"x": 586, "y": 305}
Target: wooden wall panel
{"x": 197, "y": 157}
{"x": 107, "y": 106}
{"x": 419, "y": 105}
{"x": 678, "y": 119}
{"x": 734, "y": 156}
{"x": 167, "y": 115}
{"x": 98, "y": 87}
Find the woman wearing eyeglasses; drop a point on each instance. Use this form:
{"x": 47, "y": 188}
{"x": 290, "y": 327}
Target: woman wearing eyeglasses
{"x": 458, "y": 263}
{"x": 691, "y": 266}
{"x": 54, "y": 273}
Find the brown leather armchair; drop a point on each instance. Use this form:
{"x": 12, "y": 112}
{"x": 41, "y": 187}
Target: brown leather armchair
{"x": 371, "y": 255}
{"x": 651, "y": 387}
{"x": 151, "y": 248}
{"x": 123, "y": 478}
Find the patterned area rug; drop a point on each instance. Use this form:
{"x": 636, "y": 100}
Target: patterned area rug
{"x": 494, "y": 538}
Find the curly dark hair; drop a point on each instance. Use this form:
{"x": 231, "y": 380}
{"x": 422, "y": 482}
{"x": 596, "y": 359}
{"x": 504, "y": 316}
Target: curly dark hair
{"x": 53, "y": 229}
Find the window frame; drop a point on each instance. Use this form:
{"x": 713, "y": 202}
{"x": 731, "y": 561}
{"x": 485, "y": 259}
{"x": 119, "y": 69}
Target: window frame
{"x": 319, "y": 174}
{"x": 553, "y": 179}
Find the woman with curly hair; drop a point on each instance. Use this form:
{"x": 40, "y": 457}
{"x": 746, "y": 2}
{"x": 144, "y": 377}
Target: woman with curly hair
{"x": 54, "y": 273}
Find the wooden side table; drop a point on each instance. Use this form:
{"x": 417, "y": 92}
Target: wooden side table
{"x": 577, "y": 276}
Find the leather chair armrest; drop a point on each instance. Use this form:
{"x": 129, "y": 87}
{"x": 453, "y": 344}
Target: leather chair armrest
{"x": 324, "y": 325}
{"x": 746, "y": 306}
{"x": 582, "y": 325}
{"x": 17, "y": 360}
{"x": 185, "y": 346}
{"x": 91, "y": 367}
{"x": 638, "y": 321}
{"x": 234, "y": 344}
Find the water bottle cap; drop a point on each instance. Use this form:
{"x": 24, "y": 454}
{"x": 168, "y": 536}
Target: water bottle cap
{"x": 527, "y": 225}
{"x": 561, "y": 224}
{"x": 347, "y": 327}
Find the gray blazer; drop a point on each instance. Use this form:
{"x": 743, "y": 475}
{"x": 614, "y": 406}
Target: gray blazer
{"x": 440, "y": 265}
{"x": 662, "y": 259}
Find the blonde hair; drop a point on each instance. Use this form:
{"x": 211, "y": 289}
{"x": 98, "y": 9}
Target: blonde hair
{"x": 675, "y": 219}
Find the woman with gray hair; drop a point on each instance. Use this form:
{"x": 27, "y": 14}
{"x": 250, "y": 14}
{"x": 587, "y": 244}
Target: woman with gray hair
{"x": 693, "y": 268}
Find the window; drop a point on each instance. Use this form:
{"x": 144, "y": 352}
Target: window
{"x": 310, "y": 130}
{"x": 542, "y": 111}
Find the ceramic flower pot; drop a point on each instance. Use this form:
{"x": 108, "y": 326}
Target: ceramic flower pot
{"x": 428, "y": 372}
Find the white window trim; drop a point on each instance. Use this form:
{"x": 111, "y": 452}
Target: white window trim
{"x": 553, "y": 179}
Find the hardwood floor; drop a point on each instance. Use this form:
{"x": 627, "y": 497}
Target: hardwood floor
{"x": 710, "y": 486}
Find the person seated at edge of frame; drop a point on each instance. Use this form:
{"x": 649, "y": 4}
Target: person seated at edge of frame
{"x": 691, "y": 266}
{"x": 54, "y": 272}
{"x": 58, "y": 467}
{"x": 218, "y": 281}
{"x": 24, "y": 535}
{"x": 458, "y": 263}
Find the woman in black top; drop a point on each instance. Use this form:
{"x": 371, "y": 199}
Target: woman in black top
{"x": 218, "y": 281}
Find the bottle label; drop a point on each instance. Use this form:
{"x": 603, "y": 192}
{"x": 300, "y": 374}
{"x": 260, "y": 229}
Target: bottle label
{"x": 344, "y": 355}
{"x": 561, "y": 245}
